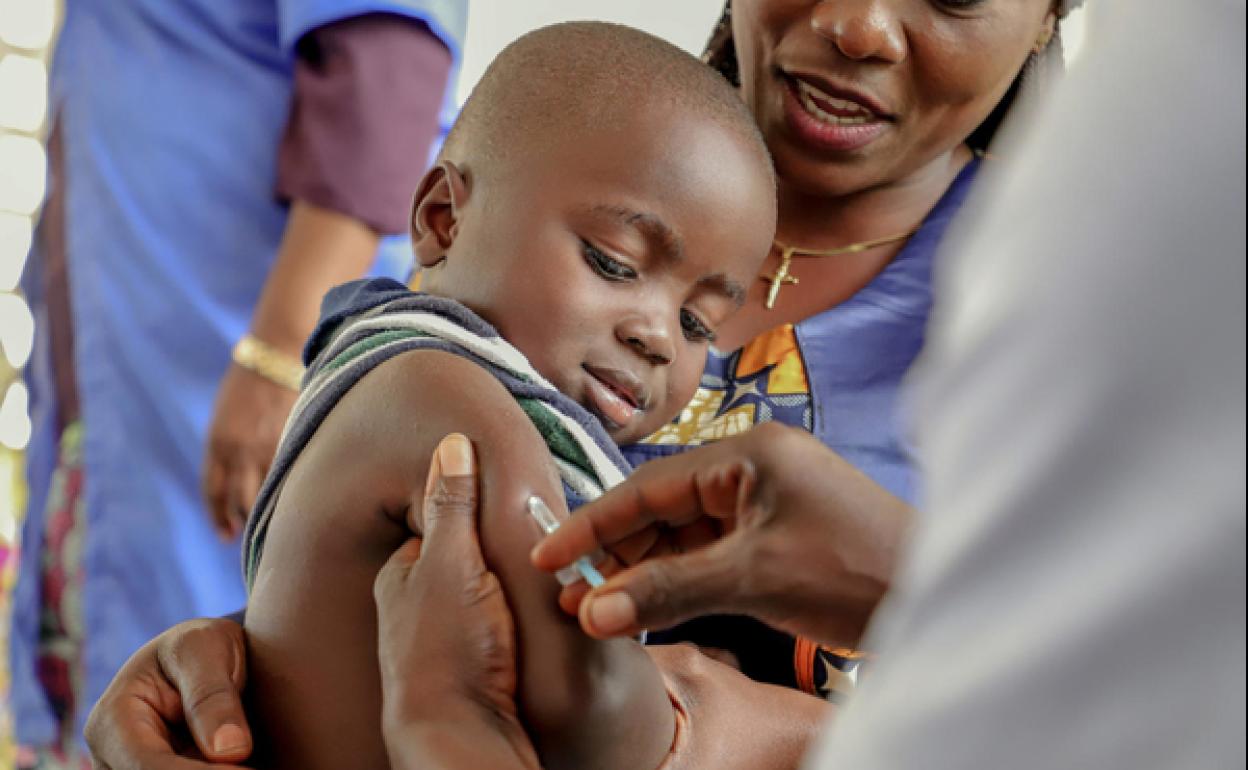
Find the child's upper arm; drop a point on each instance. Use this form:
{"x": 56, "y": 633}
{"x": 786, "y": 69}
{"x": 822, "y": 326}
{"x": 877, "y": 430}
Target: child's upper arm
{"x": 340, "y": 514}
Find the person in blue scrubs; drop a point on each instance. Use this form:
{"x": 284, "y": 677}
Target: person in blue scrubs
{"x": 216, "y": 166}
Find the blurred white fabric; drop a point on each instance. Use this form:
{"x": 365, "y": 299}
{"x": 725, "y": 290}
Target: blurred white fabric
{"x": 1075, "y": 597}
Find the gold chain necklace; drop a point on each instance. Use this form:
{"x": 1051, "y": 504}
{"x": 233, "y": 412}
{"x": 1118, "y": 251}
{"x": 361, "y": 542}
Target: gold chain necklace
{"x": 788, "y": 253}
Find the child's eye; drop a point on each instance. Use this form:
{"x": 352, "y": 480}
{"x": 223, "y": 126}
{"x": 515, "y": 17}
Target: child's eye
{"x": 694, "y": 329}
{"x": 959, "y": 5}
{"x": 611, "y": 269}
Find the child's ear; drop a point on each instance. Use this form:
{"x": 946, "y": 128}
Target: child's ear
{"x": 436, "y": 210}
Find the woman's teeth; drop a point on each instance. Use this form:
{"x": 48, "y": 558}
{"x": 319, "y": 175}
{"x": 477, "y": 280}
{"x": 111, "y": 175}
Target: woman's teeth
{"x": 807, "y": 95}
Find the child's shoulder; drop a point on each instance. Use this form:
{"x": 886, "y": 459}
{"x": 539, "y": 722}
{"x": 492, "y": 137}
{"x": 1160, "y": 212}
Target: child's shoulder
{"x": 367, "y": 322}
{"x": 367, "y": 448}
{"x": 370, "y": 299}
{"x": 382, "y": 352}
{"x": 392, "y": 371}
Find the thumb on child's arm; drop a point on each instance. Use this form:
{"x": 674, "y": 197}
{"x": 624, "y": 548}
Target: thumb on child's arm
{"x": 449, "y": 508}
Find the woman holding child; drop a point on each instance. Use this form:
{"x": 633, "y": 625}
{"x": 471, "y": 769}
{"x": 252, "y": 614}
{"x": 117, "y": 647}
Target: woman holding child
{"x": 874, "y": 113}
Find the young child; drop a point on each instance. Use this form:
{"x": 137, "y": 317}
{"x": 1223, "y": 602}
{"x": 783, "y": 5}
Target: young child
{"x": 597, "y": 211}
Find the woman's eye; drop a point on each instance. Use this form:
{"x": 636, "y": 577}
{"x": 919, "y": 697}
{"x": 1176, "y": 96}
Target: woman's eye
{"x": 694, "y": 329}
{"x": 611, "y": 269}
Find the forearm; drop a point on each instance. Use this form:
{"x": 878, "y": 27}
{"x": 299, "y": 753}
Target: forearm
{"x": 320, "y": 249}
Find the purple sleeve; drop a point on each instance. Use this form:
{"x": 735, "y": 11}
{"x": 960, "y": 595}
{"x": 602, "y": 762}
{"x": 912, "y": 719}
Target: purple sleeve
{"x": 364, "y": 114}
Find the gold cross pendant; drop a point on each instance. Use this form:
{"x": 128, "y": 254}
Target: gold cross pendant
{"x": 780, "y": 277}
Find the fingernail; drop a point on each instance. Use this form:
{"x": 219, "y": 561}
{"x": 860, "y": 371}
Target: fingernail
{"x": 613, "y": 613}
{"x": 229, "y": 739}
{"x": 455, "y": 452}
{"x": 435, "y": 471}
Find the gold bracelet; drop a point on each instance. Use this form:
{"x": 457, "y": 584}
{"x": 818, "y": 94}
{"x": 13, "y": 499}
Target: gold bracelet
{"x": 273, "y": 365}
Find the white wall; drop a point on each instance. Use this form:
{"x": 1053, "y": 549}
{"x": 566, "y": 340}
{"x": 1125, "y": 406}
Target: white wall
{"x": 492, "y": 24}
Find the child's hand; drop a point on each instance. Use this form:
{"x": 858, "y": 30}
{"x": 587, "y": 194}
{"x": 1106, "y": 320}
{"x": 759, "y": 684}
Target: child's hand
{"x": 770, "y": 523}
{"x": 446, "y": 639}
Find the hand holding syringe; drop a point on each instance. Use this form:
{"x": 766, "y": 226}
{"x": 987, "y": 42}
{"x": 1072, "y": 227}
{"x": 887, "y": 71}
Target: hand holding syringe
{"x": 579, "y": 569}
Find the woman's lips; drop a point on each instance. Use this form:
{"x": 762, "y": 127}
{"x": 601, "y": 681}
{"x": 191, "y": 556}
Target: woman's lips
{"x": 828, "y": 122}
{"x": 609, "y": 400}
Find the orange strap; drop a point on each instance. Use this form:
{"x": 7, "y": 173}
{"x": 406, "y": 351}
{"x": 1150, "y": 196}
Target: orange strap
{"x": 804, "y": 654}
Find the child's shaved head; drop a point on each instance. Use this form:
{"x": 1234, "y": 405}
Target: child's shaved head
{"x": 555, "y": 82}
{"x": 605, "y": 201}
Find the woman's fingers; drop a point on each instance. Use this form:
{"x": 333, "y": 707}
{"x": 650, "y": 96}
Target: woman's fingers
{"x": 235, "y": 508}
{"x": 664, "y": 495}
{"x": 215, "y": 490}
{"x": 719, "y": 700}
{"x": 666, "y": 512}
{"x": 737, "y": 527}
{"x": 396, "y": 570}
{"x": 619, "y": 514}
{"x": 193, "y": 674}
{"x": 243, "y": 435}
{"x": 205, "y": 660}
{"x": 661, "y": 592}
{"x": 230, "y": 487}
{"x": 250, "y": 479}
{"x": 571, "y": 595}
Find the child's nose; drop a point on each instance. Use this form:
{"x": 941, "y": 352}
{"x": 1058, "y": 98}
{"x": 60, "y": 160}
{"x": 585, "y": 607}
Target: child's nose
{"x": 650, "y": 338}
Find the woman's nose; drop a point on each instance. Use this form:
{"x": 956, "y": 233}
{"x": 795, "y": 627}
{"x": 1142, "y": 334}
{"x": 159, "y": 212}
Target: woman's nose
{"x": 648, "y": 337}
{"x": 861, "y": 29}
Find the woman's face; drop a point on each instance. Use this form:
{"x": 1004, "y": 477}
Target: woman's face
{"x": 854, "y": 94}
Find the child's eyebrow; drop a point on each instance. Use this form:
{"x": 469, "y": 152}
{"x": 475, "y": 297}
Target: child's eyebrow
{"x": 651, "y": 226}
{"x": 725, "y": 285}
{"x": 654, "y": 229}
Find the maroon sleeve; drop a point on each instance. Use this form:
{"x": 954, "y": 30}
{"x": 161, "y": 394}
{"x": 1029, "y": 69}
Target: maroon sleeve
{"x": 367, "y": 95}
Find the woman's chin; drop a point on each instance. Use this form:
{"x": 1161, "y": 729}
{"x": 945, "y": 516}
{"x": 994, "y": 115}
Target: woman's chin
{"x": 799, "y": 172}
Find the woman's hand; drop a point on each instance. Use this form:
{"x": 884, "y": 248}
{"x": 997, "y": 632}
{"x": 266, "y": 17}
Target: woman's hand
{"x": 713, "y": 703}
{"x": 770, "y": 523}
{"x": 191, "y": 676}
{"x": 247, "y": 423}
{"x": 320, "y": 249}
{"x": 448, "y": 686}
{"x": 446, "y": 639}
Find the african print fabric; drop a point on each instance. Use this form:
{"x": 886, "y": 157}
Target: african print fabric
{"x": 59, "y": 656}
{"x": 763, "y": 381}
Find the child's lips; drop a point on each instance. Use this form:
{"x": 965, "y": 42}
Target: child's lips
{"x": 615, "y": 396}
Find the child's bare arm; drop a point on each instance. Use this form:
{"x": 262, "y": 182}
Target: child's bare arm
{"x": 311, "y": 622}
